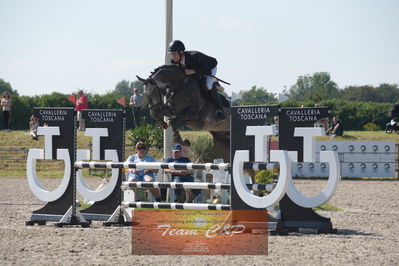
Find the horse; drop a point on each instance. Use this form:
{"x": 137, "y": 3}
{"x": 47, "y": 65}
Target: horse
{"x": 183, "y": 98}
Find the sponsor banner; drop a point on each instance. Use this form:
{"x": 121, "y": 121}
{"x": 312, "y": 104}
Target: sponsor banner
{"x": 294, "y": 117}
{"x": 241, "y": 118}
{"x": 199, "y": 232}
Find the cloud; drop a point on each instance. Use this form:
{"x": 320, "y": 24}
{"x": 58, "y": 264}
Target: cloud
{"x": 128, "y": 63}
{"x": 23, "y": 62}
{"x": 229, "y": 23}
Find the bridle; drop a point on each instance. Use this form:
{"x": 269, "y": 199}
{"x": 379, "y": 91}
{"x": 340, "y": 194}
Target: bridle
{"x": 160, "y": 93}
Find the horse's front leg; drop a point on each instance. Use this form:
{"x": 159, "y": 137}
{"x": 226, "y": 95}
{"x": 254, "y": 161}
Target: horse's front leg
{"x": 162, "y": 124}
{"x": 159, "y": 119}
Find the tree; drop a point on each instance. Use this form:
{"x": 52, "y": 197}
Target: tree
{"x": 125, "y": 88}
{"x": 256, "y": 96}
{"x": 5, "y": 86}
{"x": 364, "y": 93}
{"x": 137, "y": 84}
{"x": 317, "y": 87}
{"x": 388, "y": 93}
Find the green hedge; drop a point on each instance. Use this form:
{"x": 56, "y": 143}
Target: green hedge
{"x": 354, "y": 115}
{"x": 22, "y": 107}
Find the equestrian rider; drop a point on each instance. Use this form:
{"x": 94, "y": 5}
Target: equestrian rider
{"x": 198, "y": 63}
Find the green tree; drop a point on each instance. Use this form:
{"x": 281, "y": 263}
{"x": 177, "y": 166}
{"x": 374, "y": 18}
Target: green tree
{"x": 122, "y": 89}
{"x": 256, "y": 96}
{"x": 317, "y": 87}
{"x": 125, "y": 88}
{"x": 137, "y": 84}
{"x": 360, "y": 94}
{"x": 388, "y": 93}
{"x": 5, "y": 86}
{"x": 54, "y": 100}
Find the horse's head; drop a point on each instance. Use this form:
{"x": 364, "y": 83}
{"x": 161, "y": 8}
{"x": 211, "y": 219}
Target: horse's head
{"x": 150, "y": 85}
{"x": 170, "y": 92}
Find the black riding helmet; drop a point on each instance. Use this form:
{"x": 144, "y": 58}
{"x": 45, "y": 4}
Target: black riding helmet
{"x": 176, "y": 45}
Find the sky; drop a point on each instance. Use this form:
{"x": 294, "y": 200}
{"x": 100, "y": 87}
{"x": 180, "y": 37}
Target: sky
{"x": 59, "y": 46}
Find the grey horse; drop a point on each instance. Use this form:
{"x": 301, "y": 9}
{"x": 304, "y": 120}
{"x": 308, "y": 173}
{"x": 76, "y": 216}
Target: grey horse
{"x": 172, "y": 93}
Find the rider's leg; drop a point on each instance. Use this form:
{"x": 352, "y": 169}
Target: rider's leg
{"x": 210, "y": 83}
{"x": 215, "y": 97}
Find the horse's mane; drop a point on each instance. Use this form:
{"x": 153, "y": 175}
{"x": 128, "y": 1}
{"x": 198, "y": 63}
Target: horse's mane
{"x": 167, "y": 67}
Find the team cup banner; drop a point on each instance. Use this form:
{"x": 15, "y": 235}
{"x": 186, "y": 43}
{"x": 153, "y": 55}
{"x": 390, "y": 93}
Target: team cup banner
{"x": 199, "y": 232}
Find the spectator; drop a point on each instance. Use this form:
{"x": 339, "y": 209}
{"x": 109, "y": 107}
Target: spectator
{"x": 33, "y": 125}
{"x": 81, "y": 104}
{"x": 276, "y": 123}
{"x": 181, "y": 175}
{"x": 140, "y": 175}
{"x": 336, "y": 128}
{"x": 136, "y": 102}
{"x": 6, "y": 107}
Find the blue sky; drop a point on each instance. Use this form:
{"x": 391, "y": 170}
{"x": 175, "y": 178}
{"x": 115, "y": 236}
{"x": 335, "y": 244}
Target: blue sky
{"x": 54, "y": 45}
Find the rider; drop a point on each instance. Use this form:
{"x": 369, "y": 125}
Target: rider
{"x": 198, "y": 63}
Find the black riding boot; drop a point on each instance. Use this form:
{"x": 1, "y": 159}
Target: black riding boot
{"x": 219, "y": 114}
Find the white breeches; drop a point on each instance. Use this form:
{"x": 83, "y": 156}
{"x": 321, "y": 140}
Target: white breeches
{"x": 210, "y": 80}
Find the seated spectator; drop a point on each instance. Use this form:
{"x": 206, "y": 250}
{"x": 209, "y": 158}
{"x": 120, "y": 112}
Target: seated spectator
{"x": 336, "y": 128}
{"x": 181, "y": 175}
{"x": 33, "y": 125}
{"x": 140, "y": 175}
{"x": 276, "y": 123}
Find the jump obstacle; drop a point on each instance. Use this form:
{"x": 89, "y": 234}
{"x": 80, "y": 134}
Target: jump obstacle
{"x": 192, "y": 185}
{"x": 177, "y": 166}
{"x": 248, "y": 143}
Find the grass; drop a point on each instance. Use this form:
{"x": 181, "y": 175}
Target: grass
{"x": 328, "y": 207}
{"x": 19, "y": 139}
{"x": 365, "y": 136}
{"x": 15, "y": 165}
{"x": 83, "y": 205}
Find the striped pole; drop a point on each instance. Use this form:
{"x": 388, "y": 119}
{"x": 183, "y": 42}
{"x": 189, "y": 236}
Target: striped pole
{"x": 174, "y": 206}
{"x": 174, "y": 166}
{"x": 192, "y": 185}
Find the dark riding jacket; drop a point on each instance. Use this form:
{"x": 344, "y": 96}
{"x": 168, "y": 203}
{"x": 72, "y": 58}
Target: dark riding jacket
{"x": 201, "y": 63}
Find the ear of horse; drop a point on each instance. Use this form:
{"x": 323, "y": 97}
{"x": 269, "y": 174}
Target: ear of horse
{"x": 141, "y": 79}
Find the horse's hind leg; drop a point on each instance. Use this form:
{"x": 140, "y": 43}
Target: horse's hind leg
{"x": 176, "y": 133}
{"x": 222, "y": 144}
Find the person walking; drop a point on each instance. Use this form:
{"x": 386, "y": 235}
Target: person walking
{"x": 81, "y": 104}
{"x": 6, "y": 104}
{"x": 136, "y": 102}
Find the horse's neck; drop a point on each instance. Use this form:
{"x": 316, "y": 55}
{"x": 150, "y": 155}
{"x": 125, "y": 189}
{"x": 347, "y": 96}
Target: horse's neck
{"x": 168, "y": 76}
